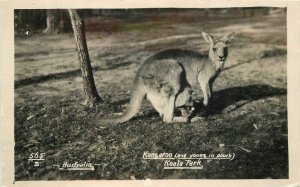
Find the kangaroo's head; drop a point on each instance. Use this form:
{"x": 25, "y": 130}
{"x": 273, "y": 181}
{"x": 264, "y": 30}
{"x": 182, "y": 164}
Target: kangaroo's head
{"x": 218, "y": 51}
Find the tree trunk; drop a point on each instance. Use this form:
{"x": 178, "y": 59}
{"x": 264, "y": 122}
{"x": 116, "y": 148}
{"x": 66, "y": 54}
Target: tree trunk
{"x": 51, "y": 22}
{"x": 56, "y": 21}
{"x": 90, "y": 92}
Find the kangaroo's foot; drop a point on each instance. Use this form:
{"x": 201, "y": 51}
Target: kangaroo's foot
{"x": 180, "y": 119}
{"x": 197, "y": 118}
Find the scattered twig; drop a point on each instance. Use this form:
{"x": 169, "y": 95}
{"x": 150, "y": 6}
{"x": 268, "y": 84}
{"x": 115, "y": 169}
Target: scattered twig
{"x": 244, "y": 149}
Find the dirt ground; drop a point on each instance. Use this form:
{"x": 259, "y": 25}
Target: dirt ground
{"x": 249, "y": 116}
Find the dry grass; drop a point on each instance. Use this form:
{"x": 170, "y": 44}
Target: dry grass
{"x": 249, "y": 109}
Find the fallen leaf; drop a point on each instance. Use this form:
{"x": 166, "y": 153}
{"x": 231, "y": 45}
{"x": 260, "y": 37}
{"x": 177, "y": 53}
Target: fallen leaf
{"x": 255, "y": 126}
{"x": 29, "y": 117}
{"x": 221, "y": 145}
{"x": 275, "y": 113}
{"x": 244, "y": 149}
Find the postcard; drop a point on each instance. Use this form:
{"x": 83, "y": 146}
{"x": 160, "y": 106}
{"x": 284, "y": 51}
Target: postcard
{"x": 162, "y": 93}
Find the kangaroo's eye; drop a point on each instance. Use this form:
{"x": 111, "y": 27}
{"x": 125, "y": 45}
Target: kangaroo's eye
{"x": 214, "y": 49}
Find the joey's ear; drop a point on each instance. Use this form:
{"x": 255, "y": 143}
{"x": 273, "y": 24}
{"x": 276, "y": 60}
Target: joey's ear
{"x": 208, "y": 38}
{"x": 226, "y": 39}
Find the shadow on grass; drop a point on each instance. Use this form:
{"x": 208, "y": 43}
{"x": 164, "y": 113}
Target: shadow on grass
{"x": 63, "y": 75}
{"x": 44, "y": 55}
{"x": 44, "y": 78}
{"x": 229, "y": 96}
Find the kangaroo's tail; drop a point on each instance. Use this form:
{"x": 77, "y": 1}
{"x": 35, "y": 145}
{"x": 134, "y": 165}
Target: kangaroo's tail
{"x": 137, "y": 97}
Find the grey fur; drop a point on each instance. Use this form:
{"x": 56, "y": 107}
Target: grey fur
{"x": 167, "y": 77}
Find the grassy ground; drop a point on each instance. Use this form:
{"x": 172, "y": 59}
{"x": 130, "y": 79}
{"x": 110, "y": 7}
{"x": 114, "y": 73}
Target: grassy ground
{"x": 249, "y": 115}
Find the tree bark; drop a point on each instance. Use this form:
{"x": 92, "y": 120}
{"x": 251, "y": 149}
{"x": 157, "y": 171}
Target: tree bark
{"x": 51, "y": 22}
{"x": 56, "y": 21}
{"x": 89, "y": 89}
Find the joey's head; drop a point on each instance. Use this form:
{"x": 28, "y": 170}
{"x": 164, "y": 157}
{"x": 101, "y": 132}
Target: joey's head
{"x": 218, "y": 51}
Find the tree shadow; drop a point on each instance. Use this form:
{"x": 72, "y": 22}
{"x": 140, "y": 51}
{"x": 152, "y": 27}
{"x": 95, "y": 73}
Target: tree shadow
{"x": 63, "y": 75}
{"x": 44, "y": 78}
{"x": 111, "y": 66}
{"x": 44, "y": 55}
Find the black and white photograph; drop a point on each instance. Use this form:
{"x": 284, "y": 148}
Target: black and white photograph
{"x": 157, "y": 94}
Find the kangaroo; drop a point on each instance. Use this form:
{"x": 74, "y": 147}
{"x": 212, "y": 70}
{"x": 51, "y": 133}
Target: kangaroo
{"x": 166, "y": 79}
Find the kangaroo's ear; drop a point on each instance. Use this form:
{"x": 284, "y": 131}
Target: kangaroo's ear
{"x": 228, "y": 37}
{"x": 208, "y": 38}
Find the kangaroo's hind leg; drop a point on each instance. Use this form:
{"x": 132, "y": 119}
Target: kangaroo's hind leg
{"x": 170, "y": 103}
{"x": 164, "y": 78}
{"x": 163, "y": 103}
{"x": 169, "y": 109}
{"x": 168, "y": 114}
{"x": 157, "y": 101}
